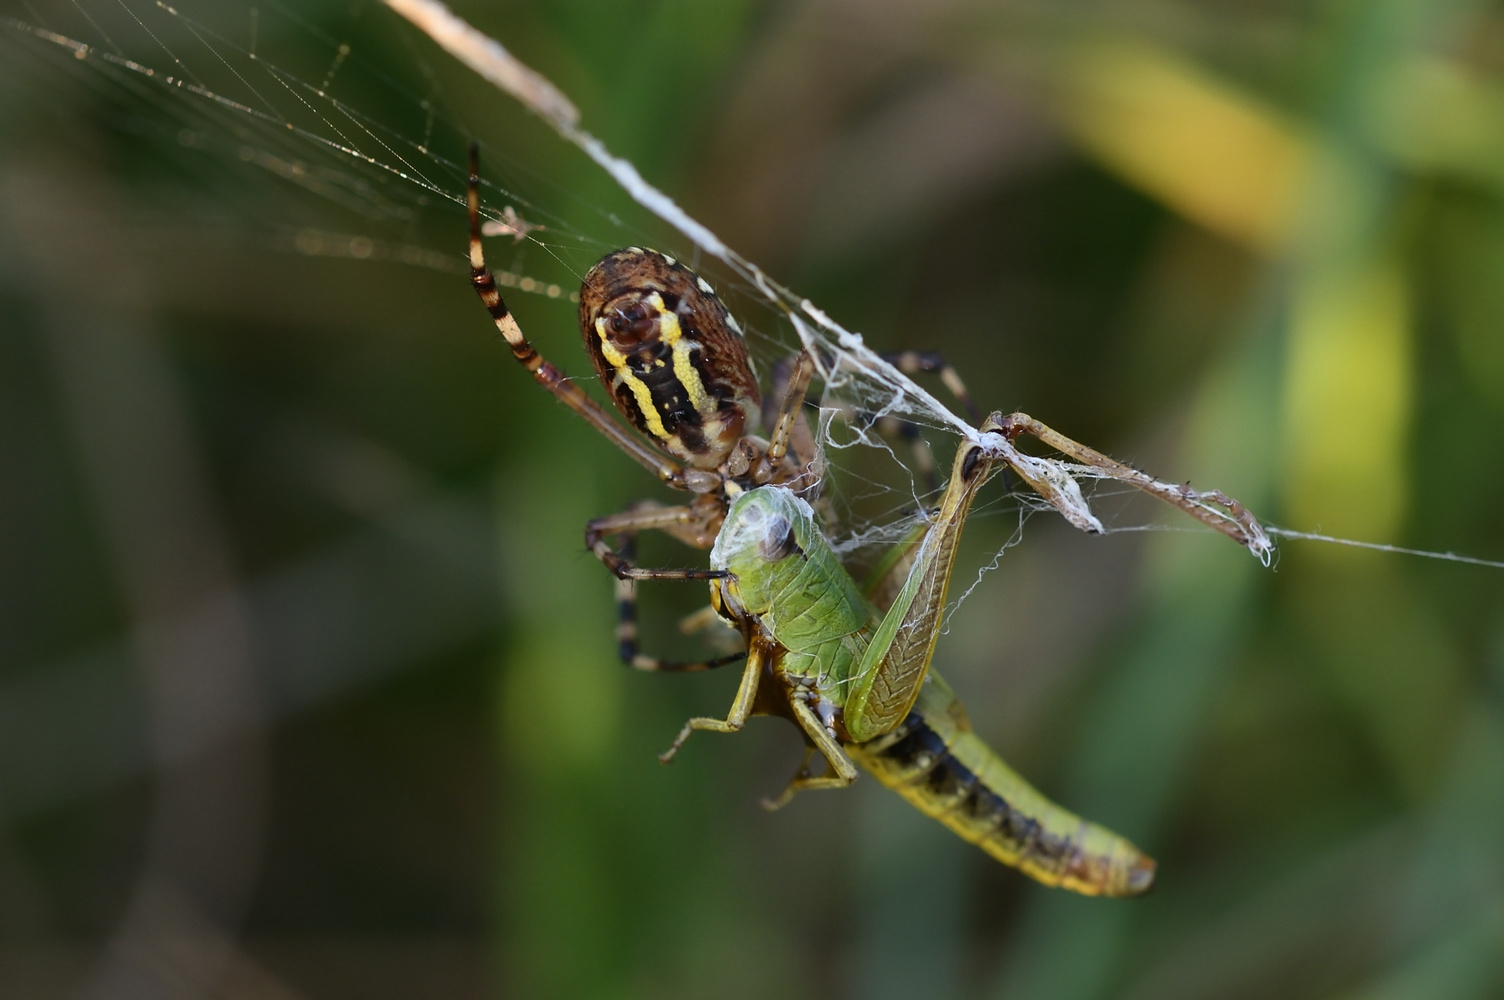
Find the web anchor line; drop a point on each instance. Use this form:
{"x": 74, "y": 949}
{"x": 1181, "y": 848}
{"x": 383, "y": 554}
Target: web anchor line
{"x": 1311, "y": 536}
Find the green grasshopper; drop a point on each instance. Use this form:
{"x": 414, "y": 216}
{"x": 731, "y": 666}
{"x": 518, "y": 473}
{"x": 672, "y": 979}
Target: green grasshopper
{"x": 856, "y": 679}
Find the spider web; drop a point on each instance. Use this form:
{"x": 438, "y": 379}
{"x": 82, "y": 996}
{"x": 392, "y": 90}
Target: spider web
{"x": 352, "y": 152}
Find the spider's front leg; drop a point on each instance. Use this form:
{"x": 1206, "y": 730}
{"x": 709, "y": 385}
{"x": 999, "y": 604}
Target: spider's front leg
{"x": 677, "y": 521}
{"x": 554, "y": 380}
{"x": 931, "y": 362}
{"x": 695, "y": 524}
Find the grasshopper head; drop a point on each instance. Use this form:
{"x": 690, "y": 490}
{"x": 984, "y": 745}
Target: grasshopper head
{"x": 762, "y": 543}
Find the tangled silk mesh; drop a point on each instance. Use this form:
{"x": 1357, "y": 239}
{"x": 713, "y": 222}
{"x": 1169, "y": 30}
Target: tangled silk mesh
{"x": 265, "y": 91}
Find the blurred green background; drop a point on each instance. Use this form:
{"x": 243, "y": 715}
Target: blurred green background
{"x": 308, "y": 688}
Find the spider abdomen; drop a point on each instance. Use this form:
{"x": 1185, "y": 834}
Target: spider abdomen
{"x": 671, "y": 355}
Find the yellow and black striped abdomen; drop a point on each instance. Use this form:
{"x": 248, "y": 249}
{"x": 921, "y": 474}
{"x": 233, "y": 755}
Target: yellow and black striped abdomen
{"x": 940, "y": 766}
{"x": 670, "y": 354}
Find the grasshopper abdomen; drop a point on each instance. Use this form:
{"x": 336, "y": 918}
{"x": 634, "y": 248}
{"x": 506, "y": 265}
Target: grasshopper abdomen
{"x": 942, "y": 768}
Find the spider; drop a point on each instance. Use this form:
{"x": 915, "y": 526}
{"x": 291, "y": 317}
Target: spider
{"x": 675, "y": 364}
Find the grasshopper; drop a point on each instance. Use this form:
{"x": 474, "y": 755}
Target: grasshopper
{"x": 856, "y": 680}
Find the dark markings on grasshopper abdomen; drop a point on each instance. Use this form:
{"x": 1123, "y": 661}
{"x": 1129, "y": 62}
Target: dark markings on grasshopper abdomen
{"x": 920, "y": 759}
{"x": 934, "y": 760}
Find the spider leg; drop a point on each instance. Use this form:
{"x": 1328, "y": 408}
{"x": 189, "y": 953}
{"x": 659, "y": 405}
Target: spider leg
{"x": 786, "y": 371}
{"x": 914, "y": 362}
{"x": 790, "y": 431}
{"x": 924, "y": 459}
{"x": 932, "y": 362}
{"x": 544, "y": 372}
{"x": 626, "y": 628}
{"x": 786, "y": 376}
{"x": 687, "y": 522}
{"x": 700, "y": 621}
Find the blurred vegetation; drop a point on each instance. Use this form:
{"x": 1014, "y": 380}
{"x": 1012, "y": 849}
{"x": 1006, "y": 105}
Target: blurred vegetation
{"x": 308, "y": 689}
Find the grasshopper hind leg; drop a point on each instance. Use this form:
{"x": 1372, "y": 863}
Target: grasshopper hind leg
{"x": 840, "y": 771}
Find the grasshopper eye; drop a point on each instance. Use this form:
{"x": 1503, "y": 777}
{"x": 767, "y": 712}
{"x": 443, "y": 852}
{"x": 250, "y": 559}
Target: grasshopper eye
{"x": 777, "y": 542}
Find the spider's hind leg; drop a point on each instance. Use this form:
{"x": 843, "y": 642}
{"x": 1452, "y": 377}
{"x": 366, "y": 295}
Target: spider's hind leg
{"x": 933, "y": 362}
{"x": 909, "y": 363}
